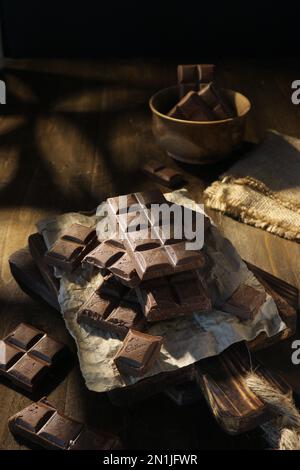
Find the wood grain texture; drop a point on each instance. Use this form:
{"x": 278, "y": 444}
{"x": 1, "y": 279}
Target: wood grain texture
{"x": 77, "y": 132}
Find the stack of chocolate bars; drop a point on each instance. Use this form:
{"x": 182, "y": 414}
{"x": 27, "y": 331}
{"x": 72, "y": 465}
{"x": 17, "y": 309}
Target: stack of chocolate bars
{"x": 204, "y": 101}
{"x": 149, "y": 276}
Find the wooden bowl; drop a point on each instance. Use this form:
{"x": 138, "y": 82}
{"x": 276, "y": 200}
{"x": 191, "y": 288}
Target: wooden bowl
{"x": 200, "y": 142}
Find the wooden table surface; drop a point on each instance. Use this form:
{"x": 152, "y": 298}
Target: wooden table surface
{"x": 74, "y": 133}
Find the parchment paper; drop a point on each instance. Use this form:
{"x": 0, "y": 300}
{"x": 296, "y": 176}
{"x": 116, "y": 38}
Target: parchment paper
{"x": 186, "y": 339}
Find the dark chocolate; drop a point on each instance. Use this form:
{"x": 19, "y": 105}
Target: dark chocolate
{"x": 192, "y": 108}
{"x": 173, "y": 296}
{"x": 27, "y": 355}
{"x": 40, "y": 423}
{"x": 163, "y": 174}
{"x": 151, "y": 244}
{"x": 244, "y": 302}
{"x": 70, "y": 249}
{"x": 113, "y": 308}
{"x": 195, "y": 73}
{"x": 137, "y": 353}
{"x": 216, "y": 101}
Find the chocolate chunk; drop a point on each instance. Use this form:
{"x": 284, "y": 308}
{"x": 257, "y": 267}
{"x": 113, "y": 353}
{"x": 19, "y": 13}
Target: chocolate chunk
{"x": 195, "y": 73}
{"x": 173, "y": 296}
{"x": 152, "y": 254}
{"x": 138, "y": 353}
{"x": 28, "y": 354}
{"x": 245, "y": 302}
{"x": 40, "y": 423}
{"x": 24, "y": 336}
{"x": 192, "y": 107}
{"x": 111, "y": 255}
{"x": 70, "y": 249}
{"x": 112, "y": 308}
{"x": 216, "y": 101}
{"x": 163, "y": 174}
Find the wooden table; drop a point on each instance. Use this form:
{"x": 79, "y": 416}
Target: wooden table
{"x": 74, "y": 133}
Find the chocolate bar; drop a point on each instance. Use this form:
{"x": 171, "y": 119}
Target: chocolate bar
{"x": 27, "y": 355}
{"x": 152, "y": 243}
{"x": 40, "y": 423}
{"x": 173, "y": 296}
{"x": 221, "y": 108}
{"x": 70, "y": 249}
{"x": 192, "y": 108}
{"x": 137, "y": 353}
{"x": 113, "y": 308}
{"x": 162, "y": 174}
{"x": 111, "y": 255}
{"x": 195, "y": 73}
{"x": 244, "y": 302}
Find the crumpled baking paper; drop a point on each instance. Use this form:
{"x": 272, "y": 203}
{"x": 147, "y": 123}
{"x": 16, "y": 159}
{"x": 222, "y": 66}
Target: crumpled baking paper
{"x": 187, "y": 339}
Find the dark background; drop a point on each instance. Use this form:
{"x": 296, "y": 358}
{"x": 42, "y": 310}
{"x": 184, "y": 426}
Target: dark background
{"x": 89, "y": 29}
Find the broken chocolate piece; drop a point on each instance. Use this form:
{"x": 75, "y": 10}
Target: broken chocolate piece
{"x": 163, "y": 174}
{"x": 195, "y": 73}
{"x": 173, "y": 296}
{"x": 192, "y": 108}
{"x": 113, "y": 308}
{"x": 244, "y": 302}
{"x": 70, "y": 249}
{"x": 40, "y": 423}
{"x": 28, "y": 354}
{"x": 216, "y": 101}
{"x": 149, "y": 238}
{"x": 138, "y": 353}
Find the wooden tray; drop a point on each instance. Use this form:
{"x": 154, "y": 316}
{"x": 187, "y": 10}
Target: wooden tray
{"x": 221, "y": 378}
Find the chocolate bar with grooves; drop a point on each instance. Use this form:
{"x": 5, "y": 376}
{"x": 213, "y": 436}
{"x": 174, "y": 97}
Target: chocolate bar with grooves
{"x": 163, "y": 174}
{"x": 70, "y": 249}
{"x": 27, "y": 355}
{"x": 195, "y": 73}
{"x": 244, "y": 302}
{"x": 40, "y": 423}
{"x": 113, "y": 308}
{"x": 215, "y": 100}
{"x": 173, "y": 296}
{"x": 192, "y": 107}
{"x": 152, "y": 244}
{"x": 138, "y": 353}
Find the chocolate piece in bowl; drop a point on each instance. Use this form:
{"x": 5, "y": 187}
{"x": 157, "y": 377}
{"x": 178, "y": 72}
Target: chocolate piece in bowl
{"x": 173, "y": 296}
{"x": 244, "y": 302}
{"x": 40, "y": 423}
{"x": 192, "y": 108}
{"x": 149, "y": 239}
{"x": 138, "y": 353}
{"x": 27, "y": 355}
{"x": 70, "y": 249}
{"x": 216, "y": 101}
{"x": 163, "y": 174}
{"x": 113, "y": 308}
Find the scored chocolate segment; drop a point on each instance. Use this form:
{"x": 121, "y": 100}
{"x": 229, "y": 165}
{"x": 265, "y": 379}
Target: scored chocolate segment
{"x": 152, "y": 254}
{"x": 113, "y": 308}
{"x": 27, "y": 355}
{"x": 163, "y": 174}
{"x": 70, "y": 249}
{"x": 138, "y": 353}
{"x": 195, "y": 73}
{"x": 244, "y": 302}
{"x": 216, "y": 101}
{"x": 173, "y": 296}
{"x": 40, "y": 423}
{"x": 192, "y": 107}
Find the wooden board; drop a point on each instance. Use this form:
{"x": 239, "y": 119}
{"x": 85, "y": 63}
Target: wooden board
{"x": 221, "y": 378}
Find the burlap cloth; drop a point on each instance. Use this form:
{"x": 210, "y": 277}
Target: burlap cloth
{"x": 263, "y": 188}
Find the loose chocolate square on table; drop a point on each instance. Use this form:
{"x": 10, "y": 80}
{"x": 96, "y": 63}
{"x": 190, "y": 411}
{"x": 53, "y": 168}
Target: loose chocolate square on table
{"x": 153, "y": 253}
{"x": 70, "y": 249}
{"x": 173, "y": 296}
{"x": 137, "y": 353}
{"x": 113, "y": 308}
{"x": 28, "y": 354}
{"x": 40, "y": 423}
{"x": 245, "y": 302}
{"x": 163, "y": 174}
